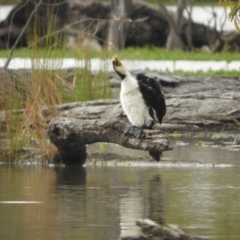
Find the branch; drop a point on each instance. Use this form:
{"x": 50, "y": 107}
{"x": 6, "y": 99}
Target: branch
{"x": 70, "y": 136}
{"x": 11, "y": 25}
{"x": 174, "y": 38}
{"x": 59, "y": 31}
{"x": 62, "y": 130}
{"x": 20, "y": 35}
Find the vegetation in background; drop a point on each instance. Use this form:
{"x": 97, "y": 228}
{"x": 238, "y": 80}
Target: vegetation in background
{"x": 167, "y": 2}
{"x": 234, "y": 11}
{"x": 132, "y": 53}
{"x": 137, "y": 53}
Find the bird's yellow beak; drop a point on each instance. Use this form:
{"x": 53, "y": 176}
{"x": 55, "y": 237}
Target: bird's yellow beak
{"x": 117, "y": 61}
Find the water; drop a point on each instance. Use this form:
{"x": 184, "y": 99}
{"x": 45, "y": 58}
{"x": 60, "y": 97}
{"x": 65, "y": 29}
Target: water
{"x": 103, "y": 202}
{"x": 202, "y": 149}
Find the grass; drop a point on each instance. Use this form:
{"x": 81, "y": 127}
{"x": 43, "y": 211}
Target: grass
{"x": 45, "y": 89}
{"x": 132, "y": 53}
{"x": 154, "y": 53}
{"x": 210, "y": 73}
{"x": 27, "y": 128}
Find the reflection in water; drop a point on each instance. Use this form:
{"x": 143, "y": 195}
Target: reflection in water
{"x": 156, "y": 199}
{"x": 131, "y": 207}
{"x": 139, "y": 203}
{"x": 70, "y": 175}
{"x": 70, "y": 193}
{"x": 104, "y": 202}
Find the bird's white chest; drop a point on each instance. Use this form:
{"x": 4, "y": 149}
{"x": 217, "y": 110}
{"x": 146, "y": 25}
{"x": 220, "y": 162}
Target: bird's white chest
{"x": 133, "y": 104}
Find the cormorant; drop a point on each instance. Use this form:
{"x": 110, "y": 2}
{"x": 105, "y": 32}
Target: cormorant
{"x": 140, "y": 97}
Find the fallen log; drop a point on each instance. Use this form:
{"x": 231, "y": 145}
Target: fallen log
{"x": 70, "y": 136}
{"x": 152, "y": 230}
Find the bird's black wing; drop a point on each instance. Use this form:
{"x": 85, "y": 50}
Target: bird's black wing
{"x": 152, "y": 94}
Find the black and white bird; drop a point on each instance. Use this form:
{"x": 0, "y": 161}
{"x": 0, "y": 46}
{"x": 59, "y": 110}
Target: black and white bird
{"x": 140, "y": 97}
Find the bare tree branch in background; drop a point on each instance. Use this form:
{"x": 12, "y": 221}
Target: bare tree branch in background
{"x": 11, "y": 25}
{"x": 220, "y": 42}
{"x": 117, "y": 31}
{"x": 20, "y": 35}
{"x": 174, "y": 40}
{"x": 66, "y": 28}
{"x": 189, "y": 25}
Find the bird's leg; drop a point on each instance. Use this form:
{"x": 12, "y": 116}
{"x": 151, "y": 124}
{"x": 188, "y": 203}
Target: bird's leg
{"x": 149, "y": 124}
{"x": 127, "y": 129}
{"x": 137, "y": 131}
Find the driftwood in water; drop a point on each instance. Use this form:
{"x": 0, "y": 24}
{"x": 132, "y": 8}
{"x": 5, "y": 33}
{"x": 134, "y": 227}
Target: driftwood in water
{"x": 71, "y": 136}
{"x": 152, "y": 230}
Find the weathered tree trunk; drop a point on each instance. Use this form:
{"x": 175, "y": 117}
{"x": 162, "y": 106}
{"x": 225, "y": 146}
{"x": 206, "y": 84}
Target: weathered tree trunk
{"x": 117, "y": 30}
{"x": 71, "y": 135}
{"x": 189, "y": 26}
{"x": 174, "y": 40}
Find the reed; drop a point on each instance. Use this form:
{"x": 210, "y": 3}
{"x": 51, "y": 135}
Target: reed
{"x": 31, "y": 105}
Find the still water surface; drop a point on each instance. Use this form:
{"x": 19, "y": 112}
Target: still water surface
{"x": 103, "y": 202}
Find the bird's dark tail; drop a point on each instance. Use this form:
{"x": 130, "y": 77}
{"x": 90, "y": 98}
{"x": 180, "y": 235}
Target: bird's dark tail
{"x": 156, "y": 155}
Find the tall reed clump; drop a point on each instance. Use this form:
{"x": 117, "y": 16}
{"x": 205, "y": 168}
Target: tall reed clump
{"x": 10, "y": 100}
{"x": 87, "y": 85}
{"x": 26, "y": 108}
{"x": 35, "y": 97}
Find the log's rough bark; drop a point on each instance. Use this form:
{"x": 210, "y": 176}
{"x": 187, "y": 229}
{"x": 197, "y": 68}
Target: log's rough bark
{"x": 157, "y": 231}
{"x": 71, "y": 135}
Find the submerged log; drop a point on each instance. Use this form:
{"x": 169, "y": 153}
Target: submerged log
{"x": 71, "y": 136}
{"x": 152, "y": 230}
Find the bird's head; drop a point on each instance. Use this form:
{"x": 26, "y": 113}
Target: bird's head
{"x": 119, "y": 68}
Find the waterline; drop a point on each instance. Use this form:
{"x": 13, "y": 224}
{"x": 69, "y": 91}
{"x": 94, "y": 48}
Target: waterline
{"x": 96, "y": 64}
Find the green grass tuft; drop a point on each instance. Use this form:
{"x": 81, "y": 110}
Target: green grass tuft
{"x": 132, "y": 53}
